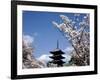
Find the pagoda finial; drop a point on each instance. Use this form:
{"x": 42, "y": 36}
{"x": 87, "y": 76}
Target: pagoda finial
{"x": 57, "y": 44}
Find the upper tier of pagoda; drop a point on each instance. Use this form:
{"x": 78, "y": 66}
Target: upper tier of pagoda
{"x": 57, "y": 51}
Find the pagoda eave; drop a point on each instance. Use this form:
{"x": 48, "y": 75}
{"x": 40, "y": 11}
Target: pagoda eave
{"x": 58, "y": 57}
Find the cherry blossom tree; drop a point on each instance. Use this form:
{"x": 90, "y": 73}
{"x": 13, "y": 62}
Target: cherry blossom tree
{"x": 28, "y": 60}
{"x": 78, "y": 36}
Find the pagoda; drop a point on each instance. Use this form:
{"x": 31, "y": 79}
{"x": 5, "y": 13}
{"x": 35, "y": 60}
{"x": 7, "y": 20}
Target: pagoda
{"x": 57, "y": 56}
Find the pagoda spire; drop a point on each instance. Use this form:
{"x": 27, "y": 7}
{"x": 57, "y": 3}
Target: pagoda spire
{"x": 57, "y": 44}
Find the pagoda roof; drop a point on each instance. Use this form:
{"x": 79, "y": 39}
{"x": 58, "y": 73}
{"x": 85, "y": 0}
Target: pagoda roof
{"x": 57, "y": 57}
{"x": 57, "y": 51}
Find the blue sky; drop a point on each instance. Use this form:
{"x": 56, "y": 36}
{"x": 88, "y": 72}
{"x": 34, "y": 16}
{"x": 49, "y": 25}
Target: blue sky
{"x": 39, "y": 26}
